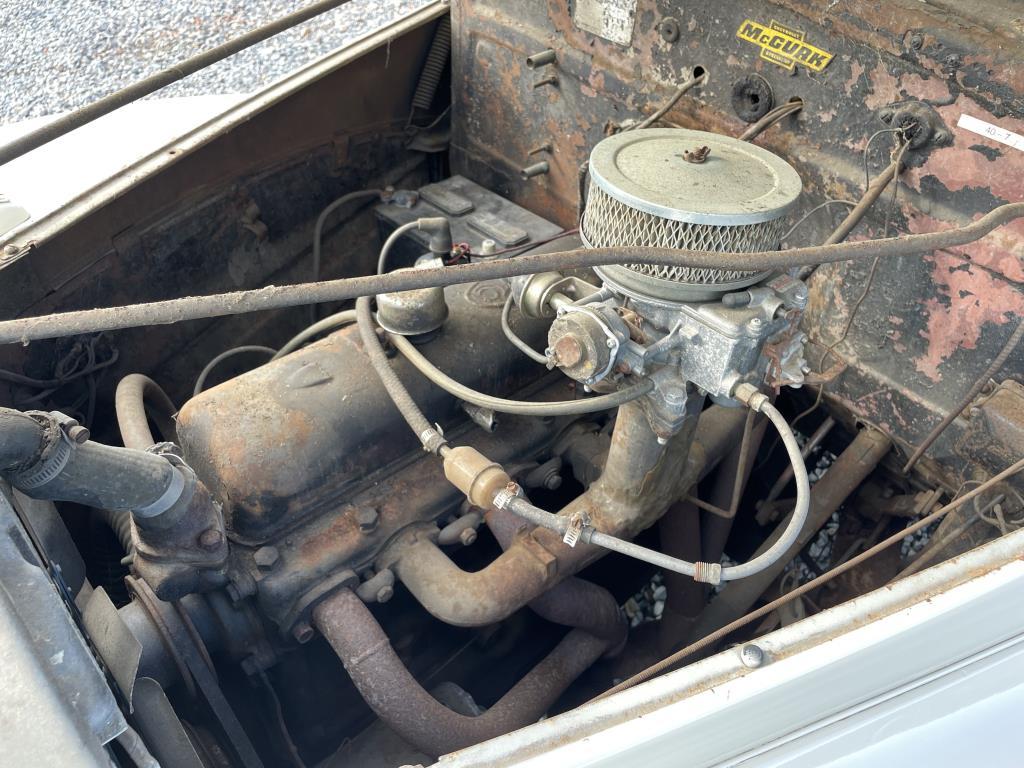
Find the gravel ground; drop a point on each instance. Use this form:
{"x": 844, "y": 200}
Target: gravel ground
{"x": 63, "y": 54}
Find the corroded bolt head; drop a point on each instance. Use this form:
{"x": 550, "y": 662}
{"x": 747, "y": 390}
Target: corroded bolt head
{"x": 367, "y": 518}
{"x": 265, "y": 558}
{"x": 468, "y": 536}
{"x": 568, "y": 350}
{"x": 211, "y": 539}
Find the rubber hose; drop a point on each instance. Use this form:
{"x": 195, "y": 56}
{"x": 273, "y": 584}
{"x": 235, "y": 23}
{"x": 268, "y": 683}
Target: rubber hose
{"x": 133, "y": 394}
{"x": 427, "y": 434}
{"x": 517, "y": 407}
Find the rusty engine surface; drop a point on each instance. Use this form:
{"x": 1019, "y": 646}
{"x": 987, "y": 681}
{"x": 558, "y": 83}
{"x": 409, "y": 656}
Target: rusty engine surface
{"x": 526, "y": 351}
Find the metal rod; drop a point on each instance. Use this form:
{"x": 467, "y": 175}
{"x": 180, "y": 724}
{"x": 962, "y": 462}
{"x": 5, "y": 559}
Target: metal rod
{"x": 278, "y": 297}
{"x": 937, "y": 546}
{"x": 853, "y": 218}
{"x": 706, "y": 506}
{"x": 741, "y": 469}
{"x": 968, "y": 398}
{"x": 770, "y": 119}
{"x": 155, "y": 82}
{"x": 673, "y": 99}
{"x": 787, "y": 474}
{"x": 803, "y": 589}
{"x": 541, "y": 59}
{"x": 871, "y": 195}
{"x": 850, "y": 469}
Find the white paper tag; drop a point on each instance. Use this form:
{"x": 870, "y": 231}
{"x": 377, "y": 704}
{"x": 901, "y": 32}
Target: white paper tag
{"x": 611, "y": 19}
{"x": 989, "y": 131}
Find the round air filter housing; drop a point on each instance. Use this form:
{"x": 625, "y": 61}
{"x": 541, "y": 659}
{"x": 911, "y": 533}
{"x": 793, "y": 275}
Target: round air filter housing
{"x": 644, "y": 192}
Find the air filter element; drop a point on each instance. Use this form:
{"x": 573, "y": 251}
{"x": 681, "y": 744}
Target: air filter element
{"x": 646, "y": 190}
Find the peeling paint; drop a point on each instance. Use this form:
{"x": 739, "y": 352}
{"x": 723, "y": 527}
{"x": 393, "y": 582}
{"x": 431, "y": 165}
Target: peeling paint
{"x": 969, "y": 298}
{"x": 1001, "y": 251}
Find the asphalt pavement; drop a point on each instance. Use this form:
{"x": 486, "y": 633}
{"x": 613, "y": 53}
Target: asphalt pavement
{"x": 58, "y": 55}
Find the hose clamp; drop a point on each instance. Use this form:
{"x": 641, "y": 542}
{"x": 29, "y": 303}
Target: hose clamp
{"x": 578, "y": 523}
{"x": 504, "y": 497}
{"x": 168, "y": 498}
{"x": 57, "y": 456}
{"x": 433, "y": 440}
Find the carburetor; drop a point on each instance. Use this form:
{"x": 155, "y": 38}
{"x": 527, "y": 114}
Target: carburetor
{"x": 712, "y": 328}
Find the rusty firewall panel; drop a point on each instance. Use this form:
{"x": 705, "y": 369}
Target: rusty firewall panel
{"x": 928, "y": 326}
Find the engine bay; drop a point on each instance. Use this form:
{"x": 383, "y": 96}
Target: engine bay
{"x": 511, "y": 359}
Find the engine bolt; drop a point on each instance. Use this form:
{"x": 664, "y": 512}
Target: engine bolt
{"x": 302, "y": 632}
{"x": 78, "y": 434}
{"x": 752, "y": 656}
{"x": 210, "y": 539}
{"x": 468, "y": 536}
{"x": 265, "y": 558}
{"x": 385, "y": 593}
{"x": 367, "y": 518}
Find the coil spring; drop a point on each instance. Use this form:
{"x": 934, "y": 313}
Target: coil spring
{"x": 434, "y": 66}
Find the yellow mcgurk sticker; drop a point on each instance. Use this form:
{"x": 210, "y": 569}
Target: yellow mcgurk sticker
{"x": 783, "y": 46}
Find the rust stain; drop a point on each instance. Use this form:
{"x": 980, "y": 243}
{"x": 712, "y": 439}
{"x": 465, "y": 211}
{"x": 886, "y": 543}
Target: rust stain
{"x": 884, "y": 88}
{"x": 872, "y": 403}
{"x": 826, "y": 301}
{"x": 856, "y": 73}
{"x": 969, "y": 298}
{"x": 930, "y": 89}
{"x": 340, "y": 533}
